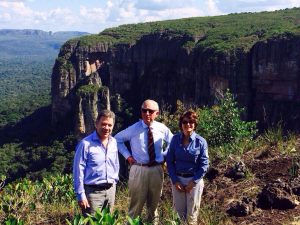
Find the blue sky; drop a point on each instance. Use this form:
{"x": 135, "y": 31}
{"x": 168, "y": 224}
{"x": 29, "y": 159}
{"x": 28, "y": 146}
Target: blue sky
{"x": 95, "y": 15}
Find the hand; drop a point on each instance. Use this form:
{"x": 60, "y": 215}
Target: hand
{"x": 190, "y": 186}
{"x": 84, "y": 204}
{"x": 164, "y": 167}
{"x": 130, "y": 160}
{"x": 179, "y": 187}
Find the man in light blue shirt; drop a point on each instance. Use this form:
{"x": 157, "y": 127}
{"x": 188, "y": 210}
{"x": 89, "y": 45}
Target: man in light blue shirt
{"x": 146, "y": 174}
{"x": 96, "y": 166}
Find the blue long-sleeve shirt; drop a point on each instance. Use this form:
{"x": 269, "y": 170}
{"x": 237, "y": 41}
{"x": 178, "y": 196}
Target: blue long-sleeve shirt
{"x": 95, "y": 164}
{"x": 192, "y": 159}
{"x": 137, "y": 135}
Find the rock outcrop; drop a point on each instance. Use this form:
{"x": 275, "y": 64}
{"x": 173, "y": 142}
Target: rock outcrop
{"x": 168, "y": 65}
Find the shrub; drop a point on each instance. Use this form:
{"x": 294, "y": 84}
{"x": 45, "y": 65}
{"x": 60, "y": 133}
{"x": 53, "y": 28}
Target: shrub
{"x": 221, "y": 125}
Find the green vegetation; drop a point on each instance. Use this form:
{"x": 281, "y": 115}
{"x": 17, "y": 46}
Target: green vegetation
{"x": 26, "y": 60}
{"x": 222, "y": 33}
{"x": 24, "y": 87}
{"x": 221, "y": 125}
{"x": 52, "y": 201}
{"x": 93, "y": 40}
{"x": 50, "y": 198}
{"x": 103, "y": 217}
{"x": 27, "y": 201}
{"x": 37, "y": 160}
{"x": 88, "y": 89}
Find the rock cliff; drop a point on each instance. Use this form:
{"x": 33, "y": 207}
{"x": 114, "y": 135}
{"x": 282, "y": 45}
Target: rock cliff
{"x": 167, "y": 64}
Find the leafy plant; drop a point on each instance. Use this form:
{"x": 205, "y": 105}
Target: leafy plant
{"x": 13, "y": 221}
{"x": 101, "y": 217}
{"x": 221, "y": 125}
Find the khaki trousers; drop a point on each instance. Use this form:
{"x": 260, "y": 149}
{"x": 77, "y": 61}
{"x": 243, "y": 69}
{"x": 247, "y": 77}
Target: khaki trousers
{"x": 187, "y": 205}
{"x": 145, "y": 186}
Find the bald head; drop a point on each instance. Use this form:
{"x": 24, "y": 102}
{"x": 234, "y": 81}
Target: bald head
{"x": 151, "y": 104}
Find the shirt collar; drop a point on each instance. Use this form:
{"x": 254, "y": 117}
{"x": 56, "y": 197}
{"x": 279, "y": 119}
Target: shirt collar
{"x": 145, "y": 125}
{"x": 192, "y": 137}
{"x": 96, "y": 138}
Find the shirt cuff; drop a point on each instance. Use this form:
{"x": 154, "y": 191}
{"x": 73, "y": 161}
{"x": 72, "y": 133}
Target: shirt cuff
{"x": 197, "y": 180}
{"x": 126, "y": 155}
{"x": 81, "y": 196}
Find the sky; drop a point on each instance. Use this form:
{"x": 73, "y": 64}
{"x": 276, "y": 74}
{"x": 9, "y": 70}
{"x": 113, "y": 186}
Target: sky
{"x": 94, "y": 16}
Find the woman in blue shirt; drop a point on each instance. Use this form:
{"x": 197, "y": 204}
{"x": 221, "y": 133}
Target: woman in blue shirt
{"x": 187, "y": 162}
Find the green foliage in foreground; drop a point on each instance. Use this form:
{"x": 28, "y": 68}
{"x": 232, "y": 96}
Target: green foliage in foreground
{"x": 103, "y": 217}
{"x": 24, "y": 197}
{"x": 52, "y": 201}
{"x": 222, "y": 33}
{"x": 221, "y": 125}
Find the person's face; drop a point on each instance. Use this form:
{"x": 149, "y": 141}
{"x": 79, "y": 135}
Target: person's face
{"x": 188, "y": 126}
{"x": 149, "y": 112}
{"x": 104, "y": 127}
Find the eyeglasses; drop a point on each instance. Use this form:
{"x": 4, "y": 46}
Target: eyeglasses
{"x": 151, "y": 111}
{"x": 188, "y": 121}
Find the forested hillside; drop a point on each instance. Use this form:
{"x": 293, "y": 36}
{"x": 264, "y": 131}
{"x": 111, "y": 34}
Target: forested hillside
{"x": 26, "y": 141}
{"x": 24, "y": 87}
{"x": 26, "y": 60}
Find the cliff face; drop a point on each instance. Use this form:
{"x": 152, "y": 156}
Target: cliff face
{"x": 275, "y": 72}
{"x": 161, "y": 66}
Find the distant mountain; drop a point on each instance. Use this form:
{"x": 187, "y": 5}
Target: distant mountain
{"x": 29, "y": 42}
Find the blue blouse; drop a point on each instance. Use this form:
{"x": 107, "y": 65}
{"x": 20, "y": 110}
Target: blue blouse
{"x": 190, "y": 159}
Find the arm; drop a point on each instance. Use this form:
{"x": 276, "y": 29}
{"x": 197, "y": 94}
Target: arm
{"x": 78, "y": 172}
{"x": 203, "y": 162}
{"x": 171, "y": 162}
{"x": 168, "y": 139}
{"x": 171, "y": 158}
{"x": 121, "y": 138}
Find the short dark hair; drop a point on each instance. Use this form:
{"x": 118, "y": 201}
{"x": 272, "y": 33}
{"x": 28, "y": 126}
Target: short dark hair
{"x": 106, "y": 113}
{"x": 191, "y": 115}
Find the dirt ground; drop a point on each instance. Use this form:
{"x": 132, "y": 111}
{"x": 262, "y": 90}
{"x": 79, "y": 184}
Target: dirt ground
{"x": 264, "y": 165}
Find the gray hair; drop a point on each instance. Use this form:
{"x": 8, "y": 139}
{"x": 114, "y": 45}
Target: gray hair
{"x": 106, "y": 113}
{"x": 152, "y": 102}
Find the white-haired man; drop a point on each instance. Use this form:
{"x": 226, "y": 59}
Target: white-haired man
{"x": 147, "y": 138}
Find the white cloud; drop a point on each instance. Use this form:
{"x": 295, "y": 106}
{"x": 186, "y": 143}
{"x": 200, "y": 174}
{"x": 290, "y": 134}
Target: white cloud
{"x": 5, "y": 17}
{"x": 95, "y": 15}
{"x": 212, "y": 7}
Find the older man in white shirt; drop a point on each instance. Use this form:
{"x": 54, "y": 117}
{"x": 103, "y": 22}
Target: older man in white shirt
{"x": 147, "y": 138}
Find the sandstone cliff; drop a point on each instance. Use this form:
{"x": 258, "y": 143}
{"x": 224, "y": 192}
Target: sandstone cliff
{"x": 166, "y": 63}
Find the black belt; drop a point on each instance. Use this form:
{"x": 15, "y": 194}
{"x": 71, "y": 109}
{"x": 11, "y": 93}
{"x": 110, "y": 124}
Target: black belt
{"x": 100, "y": 187}
{"x": 148, "y": 164}
{"x": 185, "y": 174}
